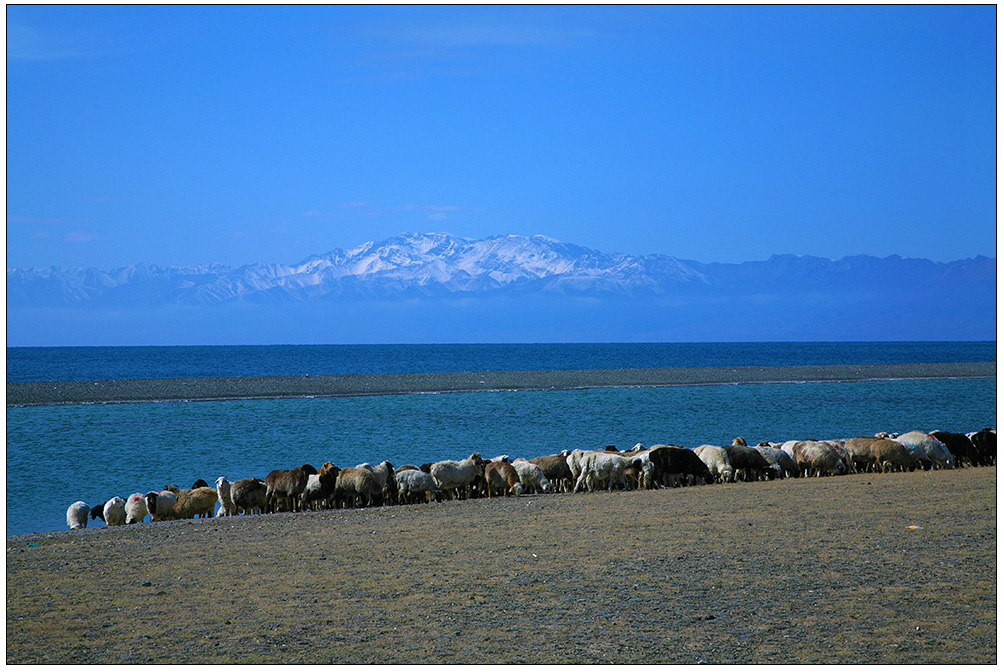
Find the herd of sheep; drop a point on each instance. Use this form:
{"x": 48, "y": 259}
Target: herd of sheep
{"x": 658, "y": 466}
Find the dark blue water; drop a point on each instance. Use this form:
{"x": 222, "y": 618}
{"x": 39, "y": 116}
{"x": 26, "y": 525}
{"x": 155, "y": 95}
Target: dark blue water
{"x": 108, "y": 363}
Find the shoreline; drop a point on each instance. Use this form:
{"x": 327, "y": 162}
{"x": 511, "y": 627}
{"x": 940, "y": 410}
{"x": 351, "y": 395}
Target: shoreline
{"x": 45, "y": 393}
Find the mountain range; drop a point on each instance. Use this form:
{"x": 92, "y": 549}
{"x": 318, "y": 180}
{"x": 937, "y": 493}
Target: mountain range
{"x": 491, "y": 280}
{"x": 439, "y": 264}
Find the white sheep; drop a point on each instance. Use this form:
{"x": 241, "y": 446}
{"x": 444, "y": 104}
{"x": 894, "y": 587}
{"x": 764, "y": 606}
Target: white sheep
{"x": 160, "y": 504}
{"x": 457, "y": 474}
{"x": 574, "y": 462}
{"x": 648, "y": 470}
{"x": 384, "y": 473}
{"x": 531, "y": 476}
{"x": 782, "y": 461}
{"x": 114, "y": 511}
{"x": 717, "y": 461}
{"x": 788, "y": 447}
{"x": 601, "y": 467}
{"x": 227, "y": 507}
{"x": 135, "y": 508}
{"x": 411, "y": 483}
{"x": 935, "y": 450}
{"x": 76, "y": 515}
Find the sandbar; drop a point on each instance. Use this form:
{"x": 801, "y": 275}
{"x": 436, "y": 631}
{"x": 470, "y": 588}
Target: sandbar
{"x": 263, "y": 387}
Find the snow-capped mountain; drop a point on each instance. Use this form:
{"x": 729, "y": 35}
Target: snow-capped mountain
{"x": 410, "y": 265}
{"x": 436, "y": 287}
{"x": 440, "y": 264}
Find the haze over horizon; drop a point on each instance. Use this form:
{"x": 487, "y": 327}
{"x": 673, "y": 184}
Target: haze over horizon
{"x": 442, "y": 288}
{"x": 187, "y": 135}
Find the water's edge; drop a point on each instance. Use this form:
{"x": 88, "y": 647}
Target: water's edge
{"x": 264, "y": 387}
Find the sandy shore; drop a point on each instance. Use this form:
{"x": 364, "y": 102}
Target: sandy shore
{"x": 111, "y": 391}
{"x": 870, "y": 568}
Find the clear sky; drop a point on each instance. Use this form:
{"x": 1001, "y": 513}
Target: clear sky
{"x": 192, "y": 134}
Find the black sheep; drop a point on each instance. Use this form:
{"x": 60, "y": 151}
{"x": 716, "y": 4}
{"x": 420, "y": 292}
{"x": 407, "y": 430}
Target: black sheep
{"x": 985, "y": 442}
{"x": 672, "y": 460}
{"x": 959, "y": 446}
{"x": 98, "y": 511}
{"x": 749, "y": 462}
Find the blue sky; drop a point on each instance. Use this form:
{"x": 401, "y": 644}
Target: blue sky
{"x": 191, "y": 134}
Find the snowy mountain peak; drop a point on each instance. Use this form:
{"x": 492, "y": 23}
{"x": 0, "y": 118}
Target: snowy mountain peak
{"x": 416, "y": 265}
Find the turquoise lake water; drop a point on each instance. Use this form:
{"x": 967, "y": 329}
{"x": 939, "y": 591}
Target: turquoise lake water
{"x": 58, "y": 454}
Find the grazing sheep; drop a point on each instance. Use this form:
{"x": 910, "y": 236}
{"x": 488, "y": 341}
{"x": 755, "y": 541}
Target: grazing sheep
{"x": 356, "y": 487}
{"x": 921, "y": 460}
{"x": 815, "y": 458}
{"x": 320, "y": 489}
{"x": 384, "y": 473}
{"x": 226, "y": 499}
{"x": 160, "y": 504}
{"x": 747, "y": 463}
{"x": 574, "y": 461}
{"x": 406, "y": 467}
{"x": 985, "y": 444}
{"x": 641, "y": 473}
{"x": 555, "y": 468}
{"x": 135, "y": 508}
{"x": 677, "y": 464}
{"x": 98, "y": 511}
{"x": 285, "y": 487}
{"x": 783, "y": 463}
{"x": 114, "y": 511}
{"x": 194, "y": 503}
{"x": 892, "y": 456}
{"x": 717, "y": 461}
{"x": 76, "y": 515}
{"x": 960, "y": 446}
{"x": 933, "y": 449}
{"x": 599, "y": 468}
{"x": 414, "y": 485}
{"x": 845, "y": 457}
{"x": 502, "y": 475}
{"x": 249, "y": 495}
{"x": 860, "y": 451}
{"x": 458, "y": 476}
{"x": 199, "y": 484}
{"x": 531, "y": 477}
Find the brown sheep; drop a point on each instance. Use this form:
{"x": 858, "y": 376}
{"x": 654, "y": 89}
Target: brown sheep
{"x": 555, "y": 467}
{"x": 194, "y": 503}
{"x": 815, "y": 458}
{"x": 893, "y": 456}
{"x": 502, "y": 475}
{"x": 356, "y": 487}
{"x": 285, "y": 486}
{"x": 249, "y": 495}
{"x": 860, "y": 451}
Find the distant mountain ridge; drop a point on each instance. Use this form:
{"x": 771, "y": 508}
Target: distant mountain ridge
{"x": 441, "y": 265}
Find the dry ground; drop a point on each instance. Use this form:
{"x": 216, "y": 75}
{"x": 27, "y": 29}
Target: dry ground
{"x": 801, "y": 571}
